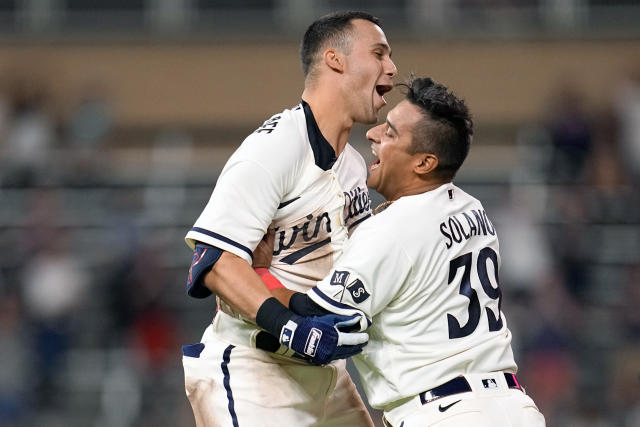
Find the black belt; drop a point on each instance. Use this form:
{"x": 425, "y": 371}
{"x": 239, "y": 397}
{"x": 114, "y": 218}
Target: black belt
{"x": 460, "y": 385}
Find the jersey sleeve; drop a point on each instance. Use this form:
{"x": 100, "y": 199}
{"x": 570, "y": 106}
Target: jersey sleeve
{"x": 367, "y": 277}
{"x": 247, "y": 194}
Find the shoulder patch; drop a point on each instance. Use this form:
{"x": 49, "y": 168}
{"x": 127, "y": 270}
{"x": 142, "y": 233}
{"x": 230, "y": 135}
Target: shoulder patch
{"x": 339, "y": 278}
{"x": 358, "y": 292}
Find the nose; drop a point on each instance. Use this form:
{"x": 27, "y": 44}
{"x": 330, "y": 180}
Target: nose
{"x": 390, "y": 69}
{"x": 374, "y": 133}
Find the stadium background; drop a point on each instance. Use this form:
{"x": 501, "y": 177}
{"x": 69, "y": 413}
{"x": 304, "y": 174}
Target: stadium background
{"x": 117, "y": 116}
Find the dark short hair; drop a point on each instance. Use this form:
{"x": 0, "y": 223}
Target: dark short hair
{"x": 332, "y": 28}
{"x": 448, "y": 127}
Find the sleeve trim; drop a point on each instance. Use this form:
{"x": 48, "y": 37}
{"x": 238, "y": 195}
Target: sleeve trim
{"x": 223, "y": 239}
{"x": 334, "y": 306}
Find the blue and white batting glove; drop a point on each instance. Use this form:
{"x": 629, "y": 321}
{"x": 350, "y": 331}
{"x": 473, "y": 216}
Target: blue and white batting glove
{"x": 320, "y": 339}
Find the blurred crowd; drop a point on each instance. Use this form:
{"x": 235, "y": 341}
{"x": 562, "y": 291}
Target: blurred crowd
{"x": 570, "y": 241}
{"x": 87, "y": 336}
{"x": 92, "y": 263}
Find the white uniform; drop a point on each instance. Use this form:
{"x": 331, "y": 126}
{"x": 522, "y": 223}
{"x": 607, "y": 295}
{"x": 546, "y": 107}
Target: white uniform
{"x": 284, "y": 176}
{"x": 425, "y": 272}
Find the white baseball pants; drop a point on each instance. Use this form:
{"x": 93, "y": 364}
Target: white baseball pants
{"x": 491, "y": 403}
{"x": 231, "y": 383}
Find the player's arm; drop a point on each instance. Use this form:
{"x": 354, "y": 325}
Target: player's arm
{"x": 298, "y": 302}
{"x": 230, "y": 277}
{"x": 369, "y": 275}
{"x": 244, "y": 287}
{"x": 262, "y": 257}
{"x": 231, "y": 227}
{"x": 321, "y": 339}
{"x": 274, "y": 317}
{"x": 234, "y": 280}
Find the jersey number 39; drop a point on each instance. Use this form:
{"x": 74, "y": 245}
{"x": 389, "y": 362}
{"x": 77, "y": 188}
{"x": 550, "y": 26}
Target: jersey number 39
{"x": 464, "y": 261}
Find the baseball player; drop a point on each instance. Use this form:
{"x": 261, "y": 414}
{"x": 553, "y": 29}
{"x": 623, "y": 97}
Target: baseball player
{"x": 297, "y": 176}
{"x": 424, "y": 274}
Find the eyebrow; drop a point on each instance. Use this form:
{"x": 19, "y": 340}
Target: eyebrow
{"x": 392, "y": 126}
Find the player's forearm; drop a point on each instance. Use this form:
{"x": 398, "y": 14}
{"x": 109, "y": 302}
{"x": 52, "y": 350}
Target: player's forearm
{"x": 276, "y": 287}
{"x": 283, "y": 295}
{"x": 235, "y": 281}
{"x": 296, "y": 301}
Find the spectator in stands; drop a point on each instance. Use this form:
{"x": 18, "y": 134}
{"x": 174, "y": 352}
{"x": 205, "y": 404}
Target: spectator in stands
{"x": 570, "y": 128}
{"x": 54, "y": 284}
{"x": 30, "y": 133}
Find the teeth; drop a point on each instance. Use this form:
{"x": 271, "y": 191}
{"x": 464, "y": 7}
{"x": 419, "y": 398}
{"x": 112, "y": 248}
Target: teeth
{"x": 375, "y": 166}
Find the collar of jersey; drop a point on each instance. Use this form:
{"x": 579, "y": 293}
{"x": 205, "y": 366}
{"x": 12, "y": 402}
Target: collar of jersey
{"x": 323, "y": 152}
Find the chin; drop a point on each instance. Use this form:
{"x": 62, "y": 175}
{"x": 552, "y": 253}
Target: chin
{"x": 370, "y": 120}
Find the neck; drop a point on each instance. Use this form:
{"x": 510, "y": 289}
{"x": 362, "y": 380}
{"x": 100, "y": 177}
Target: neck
{"x": 331, "y": 116}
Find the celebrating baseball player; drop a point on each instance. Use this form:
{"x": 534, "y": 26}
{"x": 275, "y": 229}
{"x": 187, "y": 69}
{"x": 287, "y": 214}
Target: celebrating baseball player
{"x": 297, "y": 176}
{"x": 423, "y": 274}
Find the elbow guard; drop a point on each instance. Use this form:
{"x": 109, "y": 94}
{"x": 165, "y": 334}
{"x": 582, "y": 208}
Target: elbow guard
{"x": 204, "y": 256}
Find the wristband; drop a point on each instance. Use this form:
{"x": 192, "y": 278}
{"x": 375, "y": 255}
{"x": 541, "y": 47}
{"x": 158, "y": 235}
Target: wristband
{"x": 269, "y": 279}
{"x": 272, "y": 316}
{"x": 301, "y": 304}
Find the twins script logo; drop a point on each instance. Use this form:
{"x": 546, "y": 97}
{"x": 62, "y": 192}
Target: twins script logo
{"x": 357, "y": 203}
{"x": 312, "y": 230}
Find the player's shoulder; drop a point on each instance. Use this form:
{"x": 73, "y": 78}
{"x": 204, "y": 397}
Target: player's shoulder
{"x": 457, "y": 192}
{"x": 444, "y": 201}
{"x": 461, "y": 202}
{"x": 424, "y": 211}
{"x": 287, "y": 127}
{"x": 281, "y": 138}
{"x": 381, "y": 227}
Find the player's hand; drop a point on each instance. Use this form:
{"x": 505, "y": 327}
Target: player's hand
{"x": 263, "y": 253}
{"x": 322, "y": 339}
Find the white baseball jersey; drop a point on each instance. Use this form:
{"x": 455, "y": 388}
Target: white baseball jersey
{"x": 425, "y": 271}
{"x": 286, "y": 176}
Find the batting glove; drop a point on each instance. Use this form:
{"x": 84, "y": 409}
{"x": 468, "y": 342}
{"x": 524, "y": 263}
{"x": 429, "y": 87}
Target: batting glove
{"x": 320, "y": 339}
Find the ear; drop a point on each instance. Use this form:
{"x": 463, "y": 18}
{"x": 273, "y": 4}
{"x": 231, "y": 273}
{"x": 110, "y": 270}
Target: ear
{"x": 334, "y": 60}
{"x": 425, "y": 163}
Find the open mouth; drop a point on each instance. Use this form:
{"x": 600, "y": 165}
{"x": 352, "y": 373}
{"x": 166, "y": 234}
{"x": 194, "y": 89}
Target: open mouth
{"x": 382, "y": 89}
{"x": 376, "y": 162}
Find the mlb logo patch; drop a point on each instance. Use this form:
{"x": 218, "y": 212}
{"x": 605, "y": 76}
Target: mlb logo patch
{"x": 286, "y": 336}
{"x": 287, "y": 333}
{"x": 489, "y": 383}
{"x": 358, "y": 292}
{"x": 339, "y": 278}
